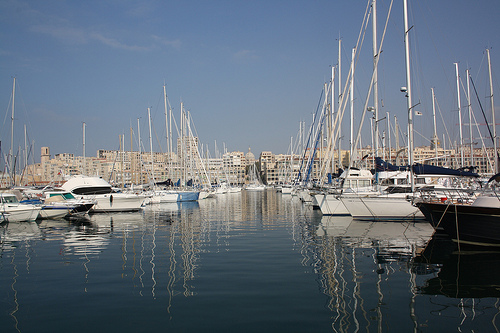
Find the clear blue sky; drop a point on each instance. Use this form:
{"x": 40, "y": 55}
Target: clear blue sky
{"x": 248, "y": 71}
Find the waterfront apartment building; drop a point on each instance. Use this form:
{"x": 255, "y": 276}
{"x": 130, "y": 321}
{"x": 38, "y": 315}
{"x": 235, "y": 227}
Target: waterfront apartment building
{"x": 123, "y": 168}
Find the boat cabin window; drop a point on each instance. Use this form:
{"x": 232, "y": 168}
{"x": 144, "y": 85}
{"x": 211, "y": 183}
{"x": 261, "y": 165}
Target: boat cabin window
{"x": 364, "y": 183}
{"x": 9, "y": 199}
{"x": 354, "y": 183}
{"x": 64, "y": 195}
{"x": 93, "y": 190}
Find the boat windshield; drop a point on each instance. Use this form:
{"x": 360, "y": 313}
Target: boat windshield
{"x": 68, "y": 196}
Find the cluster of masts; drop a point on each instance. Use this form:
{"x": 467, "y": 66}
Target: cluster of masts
{"x": 329, "y": 119}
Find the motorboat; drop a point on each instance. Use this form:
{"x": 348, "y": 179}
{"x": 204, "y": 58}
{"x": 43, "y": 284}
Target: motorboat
{"x": 76, "y": 208}
{"x": 106, "y": 198}
{"x": 14, "y": 211}
{"x": 49, "y": 210}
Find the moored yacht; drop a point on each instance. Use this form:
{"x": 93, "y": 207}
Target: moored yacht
{"x": 76, "y": 208}
{"x": 476, "y": 223}
{"x": 356, "y": 181}
{"x": 106, "y": 199}
{"x": 14, "y": 211}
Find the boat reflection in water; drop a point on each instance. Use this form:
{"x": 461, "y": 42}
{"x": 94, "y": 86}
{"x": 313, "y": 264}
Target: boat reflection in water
{"x": 11, "y": 233}
{"x": 471, "y": 272}
{"x": 364, "y": 266}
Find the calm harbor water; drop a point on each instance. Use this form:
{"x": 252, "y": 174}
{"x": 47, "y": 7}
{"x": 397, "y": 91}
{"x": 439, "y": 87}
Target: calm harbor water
{"x": 246, "y": 262}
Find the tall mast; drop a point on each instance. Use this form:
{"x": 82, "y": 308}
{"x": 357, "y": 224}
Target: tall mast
{"x": 84, "y": 159}
{"x": 408, "y": 95}
{"x": 469, "y": 108}
{"x": 140, "y": 149}
{"x": 332, "y": 112}
{"x": 389, "y": 137}
{"x": 151, "y": 147}
{"x": 434, "y": 137}
{"x": 123, "y": 159}
{"x": 396, "y": 130}
{"x": 166, "y": 115}
{"x": 168, "y": 132}
{"x": 338, "y": 106}
{"x": 493, "y": 115}
{"x": 375, "y": 72}
{"x": 170, "y": 149}
{"x": 291, "y": 160}
{"x": 131, "y": 157}
{"x": 25, "y": 148}
{"x": 461, "y": 142}
{"x": 352, "y": 102}
{"x": 182, "y": 148}
{"x": 11, "y": 152}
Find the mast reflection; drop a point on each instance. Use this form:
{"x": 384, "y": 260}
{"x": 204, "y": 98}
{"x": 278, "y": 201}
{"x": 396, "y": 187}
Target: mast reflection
{"x": 359, "y": 261}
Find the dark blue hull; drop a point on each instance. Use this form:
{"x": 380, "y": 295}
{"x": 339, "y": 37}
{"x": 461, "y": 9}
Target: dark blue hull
{"x": 464, "y": 223}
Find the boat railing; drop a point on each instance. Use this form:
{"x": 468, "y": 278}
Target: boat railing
{"x": 446, "y": 196}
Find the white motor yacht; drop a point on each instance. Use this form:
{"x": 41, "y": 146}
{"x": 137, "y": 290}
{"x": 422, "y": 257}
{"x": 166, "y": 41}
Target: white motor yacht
{"x": 106, "y": 199}
{"x": 14, "y": 211}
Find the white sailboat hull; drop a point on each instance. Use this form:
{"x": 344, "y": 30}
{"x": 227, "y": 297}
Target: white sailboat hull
{"x": 255, "y": 188}
{"x": 382, "y": 208}
{"x": 330, "y": 204}
{"x": 164, "y": 197}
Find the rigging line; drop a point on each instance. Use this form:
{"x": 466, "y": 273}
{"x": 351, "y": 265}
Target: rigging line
{"x": 319, "y": 133}
{"x": 7, "y": 113}
{"x": 421, "y": 135}
{"x": 153, "y": 115}
{"x": 444, "y": 124}
{"x": 481, "y": 66}
{"x": 444, "y": 213}
{"x": 368, "y": 95}
{"x": 20, "y": 97}
{"x": 309, "y": 135}
{"x": 368, "y": 208}
{"x": 482, "y": 110}
{"x": 342, "y": 104}
{"x": 443, "y": 40}
{"x": 483, "y": 145}
{"x": 158, "y": 140}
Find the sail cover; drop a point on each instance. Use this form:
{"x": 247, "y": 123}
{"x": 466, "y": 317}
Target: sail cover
{"x": 423, "y": 169}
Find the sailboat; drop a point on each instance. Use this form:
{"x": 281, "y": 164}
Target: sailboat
{"x": 391, "y": 206}
{"x": 471, "y": 224}
{"x": 159, "y": 195}
{"x": 255, "y": 184}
